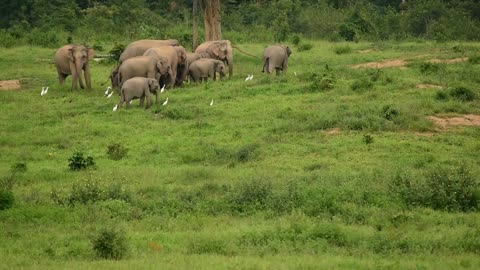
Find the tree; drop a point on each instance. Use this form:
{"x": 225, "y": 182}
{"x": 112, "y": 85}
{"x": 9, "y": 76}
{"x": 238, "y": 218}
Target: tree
{"x": 212, "y": 19}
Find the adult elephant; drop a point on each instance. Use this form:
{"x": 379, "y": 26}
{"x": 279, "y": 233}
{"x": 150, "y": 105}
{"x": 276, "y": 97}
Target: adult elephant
{"x": 139, "y": 47}
{"x": 72, "y": 60}
{"x": 275, "y": 57}
{"x": 176, "y": 56}
{"x": 144, "y": 66}
{"x": 220, "y": 50}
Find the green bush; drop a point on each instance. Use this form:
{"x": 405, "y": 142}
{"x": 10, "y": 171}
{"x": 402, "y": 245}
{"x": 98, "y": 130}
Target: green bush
{"x": 342, "y": 49}
{"x": 389, "y": 112}
{"x": 428, "y": 67}
{"x": 441, "y": 95}
{"x": 43, "y": 38}
{"x": 296, "y": 40}
{"x": 367, "y": 139}
{"x": 462, "y": 94}
{"x": 320, "y": 83}
{"x": 116, "y": 151}
{"x": 360, "y": 85}
{"x": 79, "y": 162}
{"x": 6, "y": 199}
{"x": 116, "y": 51}
{"x": 251, "y": 196}
{"x": 304, "y": 47}
{"x": 8, "y": 182}
{"x": 6, "y": 39}
{"x": 110, "y": 244}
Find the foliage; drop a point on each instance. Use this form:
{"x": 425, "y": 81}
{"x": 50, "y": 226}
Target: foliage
{"x": 116, "y": 51}
{"x": 6, "y": 199}
{"x": 7, "y": 183}
{"x": 462, "y": 94}
{"x": 78, "y": 161}
{"x": 342, "y": 49}
{"x": 110, "y": 243}
{"x": 304, "y": 47}
{"x": 389, "y": 112}
{"x": 116, "y": 151}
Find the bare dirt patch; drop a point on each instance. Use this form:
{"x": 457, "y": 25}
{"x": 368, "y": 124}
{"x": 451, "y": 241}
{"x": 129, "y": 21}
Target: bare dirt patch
{"x": 10, "y": 85}
{"x": 448, "y": 61}
{"x": 333, "y": 131}
{"x": 425, "y": 134}
{"x": 366, "y": 51}
{"x": 464, "y": 120}
{"x": 383, "y": 64}
{"x": 427, "y": 86}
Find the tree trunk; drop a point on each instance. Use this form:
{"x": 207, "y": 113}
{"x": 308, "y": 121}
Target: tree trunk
{"x": 212, "y": 19}
{"x": 195, "y": 25}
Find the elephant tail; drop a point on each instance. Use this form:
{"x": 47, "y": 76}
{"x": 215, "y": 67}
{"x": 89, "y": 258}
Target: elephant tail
{"x": 265, "y": 65}
{"x": 249, "y": 54}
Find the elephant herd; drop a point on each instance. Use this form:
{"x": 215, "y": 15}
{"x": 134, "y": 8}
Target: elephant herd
{"x": 150, "y": 64}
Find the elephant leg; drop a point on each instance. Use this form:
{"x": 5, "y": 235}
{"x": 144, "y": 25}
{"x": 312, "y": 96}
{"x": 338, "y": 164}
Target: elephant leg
{"x": 149, "y": 101}
{"x": 61, "y": 78}
{"x": 127, "y": 101}
{"x": 142, "y": 101}
{"x": 285, "y": 66}
{"x": 80, "y": 80}
{"x": 265, "y": 65}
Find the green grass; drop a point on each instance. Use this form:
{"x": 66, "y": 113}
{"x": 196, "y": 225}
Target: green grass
{"x": 256, "y": 180}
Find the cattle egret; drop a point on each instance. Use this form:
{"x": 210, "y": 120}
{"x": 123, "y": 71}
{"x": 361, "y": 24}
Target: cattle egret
{"x": 115, "y": 108}
{"x": 43, "y": 91}
{"x": 295, "y": 73}
{"x": 46, "y": 90}
{"x": 251, "y": 77}
{"x": 109, "y": 95}
{"x": 248, "y": 77}
{"x": 108, "y": 89}
{"x": 163, "y": 89}
{"x": 130, "y": 102}
{"x": 165, "y": 103}
{"x": 211, "y": 102}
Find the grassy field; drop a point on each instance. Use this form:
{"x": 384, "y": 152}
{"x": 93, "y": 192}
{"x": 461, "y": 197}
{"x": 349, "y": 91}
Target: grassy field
{"x": 328, "y": 167}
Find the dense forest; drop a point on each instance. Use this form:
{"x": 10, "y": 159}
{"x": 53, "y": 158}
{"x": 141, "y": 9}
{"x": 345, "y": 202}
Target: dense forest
{"x": 53, "y": 22}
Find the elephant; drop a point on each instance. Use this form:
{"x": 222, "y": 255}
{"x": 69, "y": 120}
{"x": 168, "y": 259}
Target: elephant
{"x": 203, "y": 68}
{"x": 71, "y": 60}
{"x": 176, "y": 56}
{"x": 144, "y": 66}
{"x": 138, "y": 87}
{"x": 139, "y": 47}
{"x": 275, "y": 57}
{"x": 191, "y": 57}
{"x": 220, "y": 50}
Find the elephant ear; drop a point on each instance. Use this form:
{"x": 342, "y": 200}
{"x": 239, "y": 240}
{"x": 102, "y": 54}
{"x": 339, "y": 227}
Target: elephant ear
{"x": 91, "y": 53}
{"x": 70, "y": 54}
{"x": 151, "y": 83}
{"x": 288, "y": 51}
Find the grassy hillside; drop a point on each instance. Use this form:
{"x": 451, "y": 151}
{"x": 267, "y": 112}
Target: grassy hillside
{"x": 327, "y": 167}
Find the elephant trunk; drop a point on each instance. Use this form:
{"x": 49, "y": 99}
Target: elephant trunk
{"x": 79, "y": 67}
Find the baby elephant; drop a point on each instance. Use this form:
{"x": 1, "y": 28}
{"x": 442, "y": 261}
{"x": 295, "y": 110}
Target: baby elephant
{"x": 138, "y": 87}
{"x": 203, "y": 68}
{"x": 275, "y": 58}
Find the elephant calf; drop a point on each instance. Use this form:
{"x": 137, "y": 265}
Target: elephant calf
{"x": 138, "y": 87}
{"x": 275, "y": 57}
{"x": 204, "y": 68}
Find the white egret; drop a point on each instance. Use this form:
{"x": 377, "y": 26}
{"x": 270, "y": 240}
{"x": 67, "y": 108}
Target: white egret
{"x": 295, "y": 73}
{"x": 115, "y": 108}
{"x": 251, "y": 77}
{"x": 109, "y": 95}
{"x": 130, "y": 103}
{"x": 211, "y": 102}
{"x": 163, "y": 89}
{"x": 108, "y": 89}
{"x": 165, "y": 103}
{"x": 43, "y": 91}
{"x": 248, "y": 77}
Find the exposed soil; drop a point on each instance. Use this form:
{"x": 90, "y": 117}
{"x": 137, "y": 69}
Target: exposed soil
{"x": 449, "y": 61}
{"x": 333, "y": 131}
{"x": 366, "y": 51}
{"x": 425, "y": 134}
{"x": 10, "y": 85}
{"x": 384, "y": 64}
{"x": 464, "y": 120}
{"x": 427, "y": 86}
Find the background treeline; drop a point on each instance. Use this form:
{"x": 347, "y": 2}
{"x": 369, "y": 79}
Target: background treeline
{"x": 51, "y": 23}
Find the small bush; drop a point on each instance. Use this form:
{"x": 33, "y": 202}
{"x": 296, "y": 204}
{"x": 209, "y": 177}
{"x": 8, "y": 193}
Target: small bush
{"x": 361, "y": 85}
{"x": 367, "y": 139}
{"x": 462, "y": 94}
{"x": 110, "y": 244}
{"x": 38, "y": 37}
{"x": 295, "y": 40}
{"x": 304, "y": 47}
{"x": 116, "y": 151}
{"x": 428, "y": 67}
{"x": 474, "y": 60}
{"x": 389, "y": 112}
{"x": 246, "y": 153}
{"x": 6, "y": 199}
{"x": 6, "y": 39}
{"x": 441, "y": 95}
{"x": 375, "y": 74}
{"x": 320, "y": 83}
{"x": 7, "y": 183}
{"x": 116, "y": 51}
{"x": 253, "y": 195}
{"x": 342, "y": 49}
{"x": 79, "y": 162}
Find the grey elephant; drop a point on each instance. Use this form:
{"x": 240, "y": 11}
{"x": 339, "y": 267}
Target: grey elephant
{"x": 138, "y": 87}
{"x": 73, "y": 60}
{"x": 177, "y": 58}
{"x": 220, "y": 50}
{"x": 275, "y": 57}
{"x": 204, "y": 68}
{"x": 144, "y": 66}
{"x": 191, "y": 57}
{"x": 139, "y": 47}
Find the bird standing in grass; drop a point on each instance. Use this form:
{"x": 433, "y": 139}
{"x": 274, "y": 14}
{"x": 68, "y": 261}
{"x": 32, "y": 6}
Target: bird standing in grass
{"x": 163, "y": 89}
{"x": 109, "y": 95}
{"x": 211, "y": 102}
{"x": 165, "y": 103}
{"x": 115, "y": 108}
{"x": 108, "y": 89}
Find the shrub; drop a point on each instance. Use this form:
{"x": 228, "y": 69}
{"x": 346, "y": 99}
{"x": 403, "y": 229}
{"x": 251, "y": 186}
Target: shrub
{"x": 39, "y": 37}
{"x": 253, "y": 195}
{"x": 320, "y": 83}
{"x": 441, "y": 95}
{"x": 474, "y": 59}
{"x": 304, "y": 47}
{"x": 79, "y": 162}
{"x": 361, "y": 85}
{"x": 295, "y": 40}
{"x": 342, "y": 49}
{"x": 6, "y": 39}
{"x": 389, "y": 112}
{"x": 110, "y": 244}
{"x": 428, "y": 67}
{"x": 462, "y": 94}
{"x": 6, "y": 199}
{"x": 116, "y": 151}
{"x": 116, "y": 51}
{"x": 246, "y": 153}
{"x": 367, "y": 139}
{"x": 7, "y": 183}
